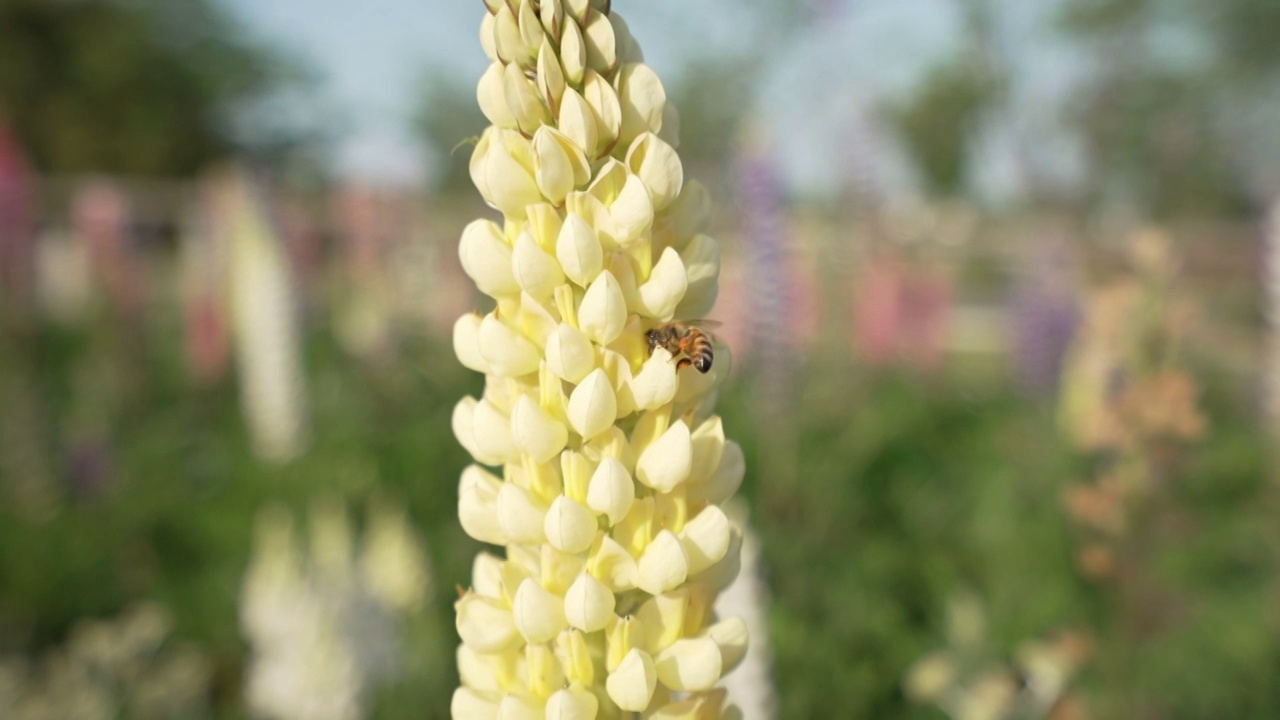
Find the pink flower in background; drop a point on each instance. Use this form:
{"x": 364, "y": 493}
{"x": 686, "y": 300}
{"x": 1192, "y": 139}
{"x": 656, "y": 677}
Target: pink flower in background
{"x": 901, "y": 314}
{"x": 101, "y": 215}
{"x": 878, "y": 311}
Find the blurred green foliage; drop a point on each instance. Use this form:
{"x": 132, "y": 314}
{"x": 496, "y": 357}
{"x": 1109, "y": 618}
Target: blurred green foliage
{"x": 902, "y": 490}
{"x": 136, "y": 88}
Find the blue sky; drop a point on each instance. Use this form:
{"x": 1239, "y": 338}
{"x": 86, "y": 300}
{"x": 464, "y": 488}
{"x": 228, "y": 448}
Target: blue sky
{"x": 373, "y": 55}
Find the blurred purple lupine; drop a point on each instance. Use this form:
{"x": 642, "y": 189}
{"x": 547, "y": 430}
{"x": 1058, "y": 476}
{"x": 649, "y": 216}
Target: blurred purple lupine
{"x": 1044, "y": 314}
{"x": 764, "y": 233}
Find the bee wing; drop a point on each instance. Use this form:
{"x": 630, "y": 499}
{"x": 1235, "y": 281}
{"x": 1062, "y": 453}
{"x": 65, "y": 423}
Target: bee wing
{"x": 707, "y": 326}
{"x": 704, "y": 324}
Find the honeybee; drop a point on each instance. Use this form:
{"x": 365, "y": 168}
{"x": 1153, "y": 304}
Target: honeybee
{"x": 686, "y": 341}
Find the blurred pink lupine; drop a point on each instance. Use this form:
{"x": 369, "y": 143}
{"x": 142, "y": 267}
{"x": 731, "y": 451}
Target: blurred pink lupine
{"x": 17, "y": 222}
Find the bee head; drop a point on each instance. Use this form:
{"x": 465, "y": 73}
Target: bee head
{"x": 652, "y": 337}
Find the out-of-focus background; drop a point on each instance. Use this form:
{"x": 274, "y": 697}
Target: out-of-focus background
{"x": 1001, "y": 279}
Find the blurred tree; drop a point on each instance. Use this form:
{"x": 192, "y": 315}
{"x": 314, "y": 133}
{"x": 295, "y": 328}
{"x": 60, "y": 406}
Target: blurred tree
{"x": 712, "y": 96}
{"x": 1173, "y": 88}
{"x": 940, "y": 121}
{"x": 144, "y": 88}
{"x": 449, "y": 119}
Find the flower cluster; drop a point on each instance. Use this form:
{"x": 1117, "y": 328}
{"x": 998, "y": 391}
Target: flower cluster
{"x": 126, "y": 666}
{"x": 599, "y": 465}
{"x": 324, "y": 622}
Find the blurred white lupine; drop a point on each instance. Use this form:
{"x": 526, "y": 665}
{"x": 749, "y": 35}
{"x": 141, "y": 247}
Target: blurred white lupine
{"x": 267, "y": 336}
{"x": 323, "y": 624}
{"x": 1271, "y": 290}
{"x": 126, "y": 666}
{"x": 748, "y": 597}
{"x": 599, "y": 467}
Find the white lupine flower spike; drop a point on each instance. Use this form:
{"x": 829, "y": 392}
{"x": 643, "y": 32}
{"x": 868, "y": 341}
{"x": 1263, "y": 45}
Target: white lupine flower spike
{"x": 599, "y": 466}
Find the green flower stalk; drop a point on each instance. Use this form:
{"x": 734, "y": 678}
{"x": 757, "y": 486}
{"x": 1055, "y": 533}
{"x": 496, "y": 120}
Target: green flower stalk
{"x": 600, "y": 467}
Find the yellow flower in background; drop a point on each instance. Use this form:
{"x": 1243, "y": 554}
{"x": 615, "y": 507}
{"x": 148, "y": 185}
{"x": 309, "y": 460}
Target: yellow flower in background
{"x": 599, "y": 464}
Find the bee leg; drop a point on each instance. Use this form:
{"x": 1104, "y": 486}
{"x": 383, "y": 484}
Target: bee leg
{"x": 683, "y": 363}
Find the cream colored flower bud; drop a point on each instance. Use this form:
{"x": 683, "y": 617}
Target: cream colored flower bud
{"x": 632, "y": 212}
{"x": 475, "y": 670}
{"x": 578, "y": 250}
{"x": 588, "y": 604}
{"x": 695, "y": 708}
{"x": 463, "y": 423}
{"x": 508, "y": 43}
{"x": 611, "y": 564}
{"x": 701, "y": 259}
{"x": 552, "y": 14}
{"x": 731, "y": 636}
{"x": 478, "y": 506}
{"x": 689, "y": 665}
{"x": 631, "y": 686}
{"x": 667, "y": 461}
{"x": 486, "y": 258}
{"x": 656, "y": 383}
{"x": 466, "y": 343}
{"x": 520, "y": 514}
{"x": 690, "y": 212}
{"x": 592, "y": 405}
{"x": 611, "y": 491}
{"x": 486, "y": 575}
{"x": 602, "y": 50}
{"x": 603, "y": 100}
{"x": 558, "y": 164}
{"x": 726, "y": 479}
{"x": 551, "y": 83}
{"x": 544, "y": 225}
{"x": 573, "y": 54}
{"x": 570, "y": 355}
{"x": 487, "y": 26}
{"x": 493, "y": 101}
{"x": 485, "y": 624}
{"x": 471, "y": 704}
{"x": 578, "y": 122}
{"x": 545, "y": 673}
{"x": 591, "y": 209}
{"x": 662, "y": 292}
{"x": 539, "y": 615}
{"x": 536, "y": 272}
{"x": 575, "y": 657}
{"x": 531, "y": 34}
{"x": 523, "y": 100}
{"x": 621, "y": 636}
{"x": 603, "y": 312}
{"x": 491, "y": 434}
{"x": 569, "y": 526}
{"x": 519, "y": 707}
{"x": 663, "y": 618}
{"x": 708, "y": 449}
{"x": 506, "y": 351}
{"x": 706, "y": 538}
{"x": 577, "y": 9}
{"x": 663, "y": 564}
{"x": 559, "y": 569}
{"x": 573, "y": 703}
{"x": 718, "y": 577}
{"x": 535, "y": 432}
{"x": 659, "y": 168}
{"x": 642, "y": 99}
{"x": 507, "y": 168}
